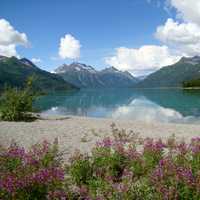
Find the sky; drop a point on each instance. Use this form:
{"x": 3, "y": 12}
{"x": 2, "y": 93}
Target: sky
{"x": 139, "y": 36}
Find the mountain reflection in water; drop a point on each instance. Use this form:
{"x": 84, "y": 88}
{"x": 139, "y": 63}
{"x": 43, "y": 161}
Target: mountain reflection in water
{"x": 162, "y": 105}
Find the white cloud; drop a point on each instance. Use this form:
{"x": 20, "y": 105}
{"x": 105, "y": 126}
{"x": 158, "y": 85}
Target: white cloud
{"x": 10, "y": 38}
{"x": 184, "y": 37}
{"x": 188, "y": 10}
{"x": 138, "y": 61}
{"x": 179, "y": 37}
{"x": 69, "y": 47}
{"x": 8, "y": 35}
{"x": 8, "y": 50}
{"x": 141, "y": 109}
{"x": 36, "y": 60}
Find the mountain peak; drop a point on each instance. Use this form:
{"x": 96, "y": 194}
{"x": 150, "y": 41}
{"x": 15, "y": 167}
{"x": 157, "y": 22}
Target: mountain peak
{"x": 75, "y": 66}
{"x": 27, "y": 62}
{"x": 2, "y": 58}
{"x": 24, "y": 61}
{"x": 190, "y": 60}
{"x": 110, "y": 69}
{"x": 85, "y": 76}
{"x": 83, "y": 66}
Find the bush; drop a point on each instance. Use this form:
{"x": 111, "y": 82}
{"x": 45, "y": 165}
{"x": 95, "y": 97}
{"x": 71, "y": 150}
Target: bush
{"x": 127, "y": 167}
{"x": 121, "y": 167}
{"x": 17, "y": 104}
{"x": 191, "y": 83}
{"x": 34, "y": 174}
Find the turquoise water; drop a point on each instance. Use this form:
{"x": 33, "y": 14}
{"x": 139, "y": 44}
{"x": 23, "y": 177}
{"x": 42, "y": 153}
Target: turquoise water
{"x": 163, "y": 105}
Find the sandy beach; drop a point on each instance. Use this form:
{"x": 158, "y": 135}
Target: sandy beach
{"x": 83, "y": 132}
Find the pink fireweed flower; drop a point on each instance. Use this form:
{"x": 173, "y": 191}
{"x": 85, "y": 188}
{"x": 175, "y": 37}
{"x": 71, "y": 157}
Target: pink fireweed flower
{"x": 30, "y": 160}
{"x": 196, "y": 139}
{"x": 127, "y": 173}
{"x": 195, "y": 149}
{"x": 195, "y": 145}
{"x": 109, "y": 179}
{"x": 119, "y": 148}
{"x": 9, "y": 183}
{"x": 107, "y": 142}
{"x": 153, "y": 146}
{"x": 83, "y": 191}
{"x": 182, "y": 148}
{"x": 157, "y": 175}
{"x": 38, "y": 151}
{"x": 45, "y": 146}
{"x": 133, "y": 154}
{"x": 16, "y": 152}
{"x": 168, "y": 193}
{"x": 186, "y": 175}
{"x": 166, "y": 163}
{"x": 164, "y": 169}
{"x": 48, "y": 175}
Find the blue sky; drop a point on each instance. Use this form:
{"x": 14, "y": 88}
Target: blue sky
{"x": 100, "y": 26}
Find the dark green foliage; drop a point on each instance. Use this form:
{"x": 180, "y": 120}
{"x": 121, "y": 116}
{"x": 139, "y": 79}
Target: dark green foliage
{"x": 191, "y": 83}
{"x": 17, "y": 104}
{"x": 14, "y": 73}
{"x": 81, "y": 171}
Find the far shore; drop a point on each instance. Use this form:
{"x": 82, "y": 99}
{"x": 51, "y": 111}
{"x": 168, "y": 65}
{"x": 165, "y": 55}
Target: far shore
{"x": 83, "y": 132}
{"x": 167, "y": 88}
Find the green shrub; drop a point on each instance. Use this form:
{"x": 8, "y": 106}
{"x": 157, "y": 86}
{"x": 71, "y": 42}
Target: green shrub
{"x": 17, "y": 104}
{"x": 191, "y": 83}
{"x": 81, "y": 171}
{"x": 118, "y": 168}
{"x": 127, "y": 168}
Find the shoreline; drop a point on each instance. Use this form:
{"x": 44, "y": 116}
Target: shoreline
{"x": 82, "y": 133}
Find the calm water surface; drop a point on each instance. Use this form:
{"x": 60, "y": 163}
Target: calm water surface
{"x": 167, "y": 105}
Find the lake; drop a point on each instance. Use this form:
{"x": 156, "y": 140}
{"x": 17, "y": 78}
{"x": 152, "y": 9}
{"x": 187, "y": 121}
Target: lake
{"x": 149, "y": 105}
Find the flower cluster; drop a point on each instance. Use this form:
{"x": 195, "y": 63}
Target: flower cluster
{"x": 119, "y": 167}
{"x": 30, "y": 174}
{"x": 122, "y": 167}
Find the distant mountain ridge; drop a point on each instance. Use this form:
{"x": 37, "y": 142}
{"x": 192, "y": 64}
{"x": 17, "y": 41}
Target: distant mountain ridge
{"x": 174, "y": 75}
{"x": 14, "y": 72}
{"x": 85, "y": 76}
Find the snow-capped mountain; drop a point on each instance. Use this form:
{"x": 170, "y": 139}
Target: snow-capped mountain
{"x": 85, "y": 76}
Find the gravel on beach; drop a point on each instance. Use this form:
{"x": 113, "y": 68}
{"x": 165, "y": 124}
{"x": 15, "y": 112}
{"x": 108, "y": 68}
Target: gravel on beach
{"x": 82, "y": 133}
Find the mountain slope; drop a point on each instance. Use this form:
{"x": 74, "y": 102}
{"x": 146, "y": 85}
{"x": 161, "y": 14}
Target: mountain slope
{"x": 80, "y": 75}
{"x": 173, "y": 75}
{"x": 85, "y": 76}
{"x": 112, "y": 77}
{"x": 14, "y": 72}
